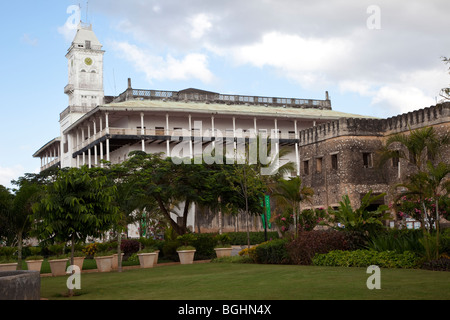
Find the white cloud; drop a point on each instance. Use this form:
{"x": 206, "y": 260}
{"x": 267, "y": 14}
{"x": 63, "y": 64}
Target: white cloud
{"x": 192, "y": 66}
{"x": 69, "y": 29}
{"x": 9, "y": 174}
{"x": 318, "y": 44}
{"x": 200, "y": 24}
{"x": 28, "y": 39}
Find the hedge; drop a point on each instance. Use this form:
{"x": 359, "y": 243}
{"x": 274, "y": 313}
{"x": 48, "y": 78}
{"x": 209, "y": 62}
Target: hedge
{"x": 365, "y": 258}
{"x": 272, "y": 252}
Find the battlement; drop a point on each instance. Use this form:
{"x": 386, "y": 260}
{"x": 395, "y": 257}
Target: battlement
{"x": 433, "y": 115}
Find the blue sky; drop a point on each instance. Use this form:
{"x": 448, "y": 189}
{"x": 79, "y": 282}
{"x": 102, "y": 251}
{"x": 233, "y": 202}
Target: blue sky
{"x": 377, "y": 60}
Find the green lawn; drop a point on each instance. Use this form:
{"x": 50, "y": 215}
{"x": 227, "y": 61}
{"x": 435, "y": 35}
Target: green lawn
{"x": 226, "y": 281}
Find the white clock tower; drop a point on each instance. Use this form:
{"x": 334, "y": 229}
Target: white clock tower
{"x": 85, "y": 87}
{"x": 85, "y": 58}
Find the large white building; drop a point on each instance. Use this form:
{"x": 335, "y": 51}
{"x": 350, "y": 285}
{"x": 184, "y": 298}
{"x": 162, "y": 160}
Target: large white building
{"x": 96, "y": 127}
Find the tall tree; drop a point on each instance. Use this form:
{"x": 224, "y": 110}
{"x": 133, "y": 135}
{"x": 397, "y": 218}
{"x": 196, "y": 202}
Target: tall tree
{"x": 78, "y": 204}
{"x": 21, "y": 210}
{"x": 6, "y": 199}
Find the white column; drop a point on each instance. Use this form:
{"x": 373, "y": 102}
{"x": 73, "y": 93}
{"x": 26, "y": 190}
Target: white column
{"x": 297, "y": 155}
{"x": 82, "y": 144}
{"x": 234, "y": 139}
{"x": 101, "y": 143}
{"x": 95, "y": 146}
{"x": 213, "y": 134}
{"x": 142, "y": 131}
{"x": 277, "y": 146}
{"x": 190, "y": 137}
{"x": 167, "y": 134}
{"x": 108, "y": 156}
{"x": 89, "y": 150}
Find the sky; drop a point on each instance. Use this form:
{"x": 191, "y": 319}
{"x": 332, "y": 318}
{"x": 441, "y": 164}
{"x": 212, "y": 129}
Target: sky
{"x": 376, "y": 58}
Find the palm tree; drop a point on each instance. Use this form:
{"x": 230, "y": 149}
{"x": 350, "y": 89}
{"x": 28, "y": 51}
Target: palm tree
{"x": 291, "y": 194}
{"x": 418, "y": 146}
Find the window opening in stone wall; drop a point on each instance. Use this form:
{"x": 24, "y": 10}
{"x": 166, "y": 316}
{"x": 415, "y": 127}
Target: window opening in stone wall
{"x": 319, "y": 165}
{"x": 306, "y": 167}
{"x": 396, "y": 159}
{"x": 334, "y": 161}
{"x": 367, "y": 160}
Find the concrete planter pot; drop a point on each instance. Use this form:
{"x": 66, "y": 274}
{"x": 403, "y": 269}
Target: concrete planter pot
{"x": 186, "y": 256}
{"x": 58, "y": 267}
{"x": 223, "y": 252}
{"x": 78, "y": 261}
{"x": 8, "y": 267}
{"x": 115, "y": 262}
{"x": 34, "y": 265}
{"x": 104, "y": 264}
{"x": 157, "y": 256}
{"x": 147, "y": 260}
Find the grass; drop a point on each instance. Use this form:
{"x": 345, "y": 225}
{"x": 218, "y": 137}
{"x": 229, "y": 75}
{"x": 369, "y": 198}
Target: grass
{"x": 227, "y": 281}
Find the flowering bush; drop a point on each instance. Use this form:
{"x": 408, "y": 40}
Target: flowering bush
{"x": 307, "y": 220}
{"x": 284, "y": 221}
{"x": 412, "y": 207}
{"x": 310, "y": 218}
{"x": 90, "y": 250}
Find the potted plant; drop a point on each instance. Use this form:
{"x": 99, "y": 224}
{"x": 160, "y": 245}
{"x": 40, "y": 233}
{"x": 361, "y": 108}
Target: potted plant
{"x": 223, "y": 247}
{"x": 34, "y": 262}
{"x": 147, "y": 257}
{"x": 58, "y": 262}
{"x": 186, "y": 251}
{"x": 7, "y": 261}
{"x": 58, "y": 265}
{"x": 104, "y": 261}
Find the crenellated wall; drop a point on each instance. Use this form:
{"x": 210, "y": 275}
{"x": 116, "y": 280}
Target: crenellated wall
{"x": 377, "y": 127}
{"x": 353, "y": 145}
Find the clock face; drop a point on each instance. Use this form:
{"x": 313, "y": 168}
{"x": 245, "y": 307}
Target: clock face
{"x": 88, "y": 61}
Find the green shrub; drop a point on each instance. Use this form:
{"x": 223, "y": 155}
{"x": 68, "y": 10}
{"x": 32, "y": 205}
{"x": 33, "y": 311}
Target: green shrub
{"x": 240, "y": 238}
{"x": 272, "y": 252}
{"x": 398, "y": 241}
{"x": 169, "y": 250}
{"x": 7, "y": 251}
{"x": 223, "y": 241}
{"x": 233, "y": 259}
{"x": 204, "y": 244}
{"x": 366, "y": 258}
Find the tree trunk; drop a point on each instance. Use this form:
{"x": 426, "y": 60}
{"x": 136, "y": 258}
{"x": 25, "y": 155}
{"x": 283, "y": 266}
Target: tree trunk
{"x": 72, "y": 253}
{"x": 178, "y": 229}
{"x": 19, "y": 250}
{"x": 119, "y": 252}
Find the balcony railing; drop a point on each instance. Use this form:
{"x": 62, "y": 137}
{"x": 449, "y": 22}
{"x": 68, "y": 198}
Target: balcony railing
{"x": 163, "y": 134}
{"x": 139, "y": 94}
